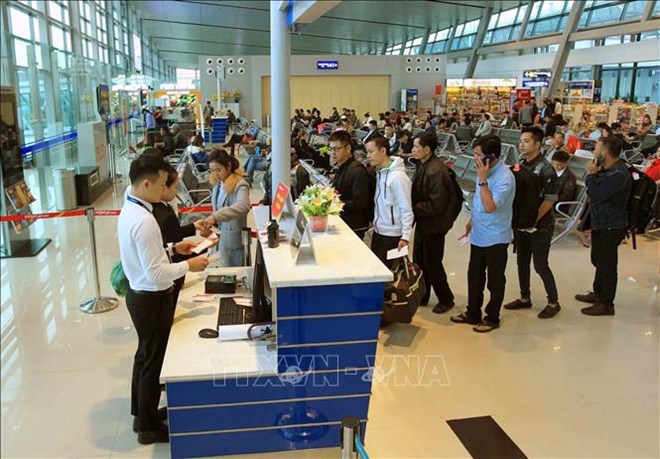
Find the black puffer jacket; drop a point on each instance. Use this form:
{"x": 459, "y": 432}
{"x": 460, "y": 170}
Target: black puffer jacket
{"x": 432, "y": 191}
{"x": 352, "y": 183}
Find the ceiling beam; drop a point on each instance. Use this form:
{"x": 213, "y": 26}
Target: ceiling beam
{"x": 223, "y": 43}
{"x": 469, "y": 5}
{"x": 258, "y": 30}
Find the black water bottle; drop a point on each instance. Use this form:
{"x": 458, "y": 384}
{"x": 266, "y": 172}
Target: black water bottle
{"x": 273, "y": 234}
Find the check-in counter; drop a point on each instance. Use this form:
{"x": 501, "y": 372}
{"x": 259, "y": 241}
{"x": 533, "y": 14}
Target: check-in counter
{"x": 237, "y": 397}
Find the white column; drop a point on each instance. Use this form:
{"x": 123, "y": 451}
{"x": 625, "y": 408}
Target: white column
{"x": 280, "y": 56}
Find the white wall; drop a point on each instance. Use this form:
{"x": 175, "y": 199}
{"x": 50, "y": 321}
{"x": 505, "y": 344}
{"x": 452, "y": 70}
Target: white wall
{"x": 431, "y": 73}
{"x": 641, "y": 51}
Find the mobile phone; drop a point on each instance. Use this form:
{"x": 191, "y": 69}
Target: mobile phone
{"x": 486, "y": 159}
{"x": 600, "y": 159}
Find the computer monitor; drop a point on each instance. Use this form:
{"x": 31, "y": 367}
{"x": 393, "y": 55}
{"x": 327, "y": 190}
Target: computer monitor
{"x": 261, "y": 305}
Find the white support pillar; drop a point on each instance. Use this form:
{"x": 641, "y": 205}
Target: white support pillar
{"x": 561, "y": 57}
{"x": 280, "y": 57}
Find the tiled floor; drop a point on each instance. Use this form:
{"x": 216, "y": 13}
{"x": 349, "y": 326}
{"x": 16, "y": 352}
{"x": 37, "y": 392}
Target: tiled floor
{"x": 573, "y": 386}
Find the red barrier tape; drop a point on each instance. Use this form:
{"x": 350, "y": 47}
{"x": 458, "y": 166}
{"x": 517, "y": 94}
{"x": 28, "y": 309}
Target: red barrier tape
{"x": 98, "y": 213}
{"x": 21, "y": 218}
{"x": 107, "y": 213}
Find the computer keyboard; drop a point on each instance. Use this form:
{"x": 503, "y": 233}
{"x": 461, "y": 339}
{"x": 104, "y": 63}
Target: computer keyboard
{"x": 229, "y": 313}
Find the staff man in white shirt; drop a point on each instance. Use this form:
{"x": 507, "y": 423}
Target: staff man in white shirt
{"x": 149, "y": 300}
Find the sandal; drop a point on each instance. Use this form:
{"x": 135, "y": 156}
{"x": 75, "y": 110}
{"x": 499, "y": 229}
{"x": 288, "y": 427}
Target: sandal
{"x": 463, "y": 318}
{"x": 485, "y": 327}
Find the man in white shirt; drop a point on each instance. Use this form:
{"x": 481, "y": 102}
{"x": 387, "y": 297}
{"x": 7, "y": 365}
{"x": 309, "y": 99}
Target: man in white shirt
{"x": 393, "y": 215}
{"x": 149, "y": 300}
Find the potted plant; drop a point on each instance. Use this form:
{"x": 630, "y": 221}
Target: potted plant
{"x": 317, "y": 202}
{"x": 236, "y": 94}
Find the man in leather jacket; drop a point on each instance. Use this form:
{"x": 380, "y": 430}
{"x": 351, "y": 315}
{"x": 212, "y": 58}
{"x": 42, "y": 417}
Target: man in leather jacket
{"x": 352, "y": 182}
{"x": 432, "y": 192}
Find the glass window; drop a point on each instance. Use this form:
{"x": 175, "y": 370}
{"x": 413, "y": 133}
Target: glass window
{"x": 551, "y": 8}
{"x": 20, "y": 24}
{"x": 634, "y": 9}
{"x": 507, "y": 17}
{"x": 584, "y": 44}
{"x": 493, "y": 21}
{"x": 606, "y": 15}
{"x": 471, "y": 27}
{"x": 417, "y": 41}
{"x": 57, "y": 36}
{"x": 36, "y": 30}
{"x": 656, "y": 9}
{"x": 21, "y": 52}
{"x": 546, "y": 26}
{"x": 647, "y": 87}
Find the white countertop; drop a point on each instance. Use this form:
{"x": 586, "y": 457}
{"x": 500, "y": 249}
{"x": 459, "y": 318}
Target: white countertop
{"x": 341, "y": 257}
{"x": 191, "y": 358}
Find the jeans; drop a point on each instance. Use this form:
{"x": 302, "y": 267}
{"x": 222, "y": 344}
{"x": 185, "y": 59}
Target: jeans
{"x": 152, "y": 317}
{"x": 428, "y": 253}
{"x": 491, "y": 260}
{"x": 381, "y": 244}
{"x": 535, "y": 246}
{"x": 254, "y": 163}
{"x": 605, "y": 258}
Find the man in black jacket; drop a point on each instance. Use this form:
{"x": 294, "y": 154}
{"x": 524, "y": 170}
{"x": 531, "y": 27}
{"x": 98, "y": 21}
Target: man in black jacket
{"x": 352, "y": 182}
{"x": 609, "y": 186}
{"x": 566, "y": 181}
{"x": 432, "y": 194}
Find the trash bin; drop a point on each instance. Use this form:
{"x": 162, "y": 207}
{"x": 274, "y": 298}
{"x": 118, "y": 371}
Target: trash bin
{"x": 65, "y": 189}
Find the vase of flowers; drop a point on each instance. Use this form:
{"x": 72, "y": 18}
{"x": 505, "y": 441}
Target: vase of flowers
{"x": 226, "y": 96}
{"x": 317, "y": 202}
{"x": 236, "y": 94}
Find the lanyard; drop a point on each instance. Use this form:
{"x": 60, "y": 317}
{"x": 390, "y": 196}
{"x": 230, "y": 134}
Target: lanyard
{"x": 139, "y": 203}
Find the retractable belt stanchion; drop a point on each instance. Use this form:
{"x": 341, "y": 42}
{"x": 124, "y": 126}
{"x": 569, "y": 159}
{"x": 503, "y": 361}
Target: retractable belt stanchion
{"x": 96, "y": 303}
{"x": 350, "y": 440}
{"x": 112, "y": 154}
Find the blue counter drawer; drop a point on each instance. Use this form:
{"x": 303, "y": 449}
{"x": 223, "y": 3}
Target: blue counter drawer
{"x": 285, "y": 413}
{"x": 257, "y": 441}
{"x": 327, "y": 329}
{"x": 326, "y": 357}
{"x": 335, "y": 299}
{"x": 237, "y": 390}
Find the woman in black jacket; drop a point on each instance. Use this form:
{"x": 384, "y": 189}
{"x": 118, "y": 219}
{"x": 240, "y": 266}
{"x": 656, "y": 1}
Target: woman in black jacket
{"x": 170, "y": 226}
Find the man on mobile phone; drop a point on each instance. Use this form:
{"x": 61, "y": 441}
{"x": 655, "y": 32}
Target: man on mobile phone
{"x": 608, "y": 185}
{"x": 489, "y": 229}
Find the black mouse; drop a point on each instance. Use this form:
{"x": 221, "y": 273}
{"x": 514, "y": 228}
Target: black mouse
{"x": 208, "y": 333}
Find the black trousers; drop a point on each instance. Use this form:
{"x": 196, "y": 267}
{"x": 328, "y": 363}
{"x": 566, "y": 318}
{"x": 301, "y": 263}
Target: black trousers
{"x": 152, "y": 317}
{"x": 605, "y": 258}
{"x": 428, "y": 253}
{"x": 381, "y": 244}
{"x": 491, "y": 260}
{"x": 178, "y": 285}
{"x": 535, "y": 246}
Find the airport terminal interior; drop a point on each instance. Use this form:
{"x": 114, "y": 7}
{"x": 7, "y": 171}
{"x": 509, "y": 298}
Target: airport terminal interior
{"x": 92, "y": 89}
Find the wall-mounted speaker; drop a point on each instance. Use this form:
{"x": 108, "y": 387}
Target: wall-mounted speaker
{"x": 209, "y": 61}
{"x": 240, "y": 61}
{"x": 220, "y": 61}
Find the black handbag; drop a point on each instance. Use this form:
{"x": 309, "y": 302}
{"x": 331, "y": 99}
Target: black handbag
{"x": 404, "y": 294}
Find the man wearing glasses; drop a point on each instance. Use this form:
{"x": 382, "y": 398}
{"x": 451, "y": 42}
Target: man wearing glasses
{"x": 352, "y": 183}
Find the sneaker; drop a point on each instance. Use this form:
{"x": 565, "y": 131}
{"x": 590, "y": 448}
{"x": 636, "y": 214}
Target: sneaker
{"x": 549, "y": 311}
{"x": 463, "y": 318}
{"x": 485, "y": 327}
{"x": 598, "y": 309}
{"x": 518, "y": 304}
{"x": 442, "y": 308}
{"x": 154, "y": 436}
{"x": 590, "y": 298}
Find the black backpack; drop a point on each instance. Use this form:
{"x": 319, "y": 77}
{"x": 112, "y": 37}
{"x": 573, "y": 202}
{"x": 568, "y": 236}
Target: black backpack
{"x": 528, "y": 197}
{"x": 373, "y": 179}
{"x": 455, "y": 201}
{"x": 640, "y": 205}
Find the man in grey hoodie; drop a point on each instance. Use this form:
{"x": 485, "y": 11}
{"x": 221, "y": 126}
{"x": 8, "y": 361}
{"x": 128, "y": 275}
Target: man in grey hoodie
{"x": 393, "y": 215}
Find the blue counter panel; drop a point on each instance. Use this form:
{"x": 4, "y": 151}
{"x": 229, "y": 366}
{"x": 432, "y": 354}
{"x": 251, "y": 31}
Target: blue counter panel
{"x": 326, "y": 357}
{"x": 327, "y": 329}
{"x": 236, "y": 390}
{"x": 331, "y": 299}
{"x": 287, "y": 413}
{"x": 258, "y": 441}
